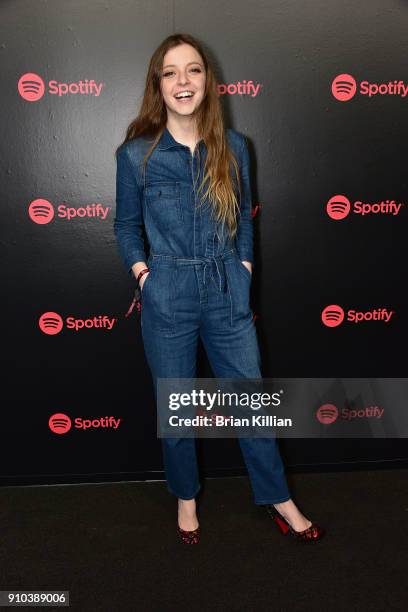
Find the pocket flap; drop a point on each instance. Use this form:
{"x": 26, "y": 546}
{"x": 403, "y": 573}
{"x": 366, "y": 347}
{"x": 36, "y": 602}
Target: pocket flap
{"x": 167, "y": 190}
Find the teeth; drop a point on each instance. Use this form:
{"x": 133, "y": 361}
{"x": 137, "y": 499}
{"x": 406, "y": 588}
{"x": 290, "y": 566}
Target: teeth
{"x": 187, "y": 94}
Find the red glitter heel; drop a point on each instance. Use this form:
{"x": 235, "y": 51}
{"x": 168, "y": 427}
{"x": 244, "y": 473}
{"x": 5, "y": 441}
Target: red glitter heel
{"x": 311, "y": 534}
{"x": 189, "y": 537}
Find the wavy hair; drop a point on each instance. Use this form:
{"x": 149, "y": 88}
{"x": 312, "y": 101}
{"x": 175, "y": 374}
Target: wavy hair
{"x": 151, "y": 122}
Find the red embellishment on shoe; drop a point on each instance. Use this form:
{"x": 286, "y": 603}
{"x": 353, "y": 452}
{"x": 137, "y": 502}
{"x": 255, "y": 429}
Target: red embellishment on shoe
{"x": 282, "y": 525}
{"x": 313, "y": 533}
{"x": 189, "y": 537}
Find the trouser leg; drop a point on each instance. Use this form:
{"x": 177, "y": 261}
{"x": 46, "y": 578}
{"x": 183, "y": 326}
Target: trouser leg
{"x": 171, "y": 352}
{"x": 233, "y": 352}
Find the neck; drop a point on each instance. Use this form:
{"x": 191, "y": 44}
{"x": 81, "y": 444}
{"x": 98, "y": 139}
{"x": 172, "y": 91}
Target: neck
{"x": 183, "y": 130}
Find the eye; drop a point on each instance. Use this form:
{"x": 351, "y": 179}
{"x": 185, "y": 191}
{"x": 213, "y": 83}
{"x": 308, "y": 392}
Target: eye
{"x": 170, "y": 72}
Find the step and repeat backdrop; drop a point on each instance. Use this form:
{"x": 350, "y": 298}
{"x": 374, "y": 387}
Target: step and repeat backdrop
{"x": 320, "y": 90}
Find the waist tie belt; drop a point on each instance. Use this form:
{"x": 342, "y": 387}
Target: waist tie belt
{"x": 215, "y": 262}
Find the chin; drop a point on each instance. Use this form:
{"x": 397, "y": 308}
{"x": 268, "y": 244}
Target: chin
{"x": 180, "y": 111}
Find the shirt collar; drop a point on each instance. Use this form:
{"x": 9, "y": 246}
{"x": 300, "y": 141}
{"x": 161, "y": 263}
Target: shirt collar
{"x": 167, "y": 141}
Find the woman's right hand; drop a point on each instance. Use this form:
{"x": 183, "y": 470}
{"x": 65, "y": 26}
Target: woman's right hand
{"x": 142, "y": 280}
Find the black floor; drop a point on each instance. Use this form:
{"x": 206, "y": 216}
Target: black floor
{"x": 115, "y": 547}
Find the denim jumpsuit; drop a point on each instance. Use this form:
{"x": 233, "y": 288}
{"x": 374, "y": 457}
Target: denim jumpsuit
{"x": 197, "y": 287}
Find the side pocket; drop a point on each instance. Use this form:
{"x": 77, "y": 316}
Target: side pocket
{"x": 239, "y": 279}
{"x": 146, "y": 282}
{"x": 158, "y": 313}
{"x": 244, "y": 269}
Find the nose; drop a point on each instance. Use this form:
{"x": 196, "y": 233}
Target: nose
{"x": 183, "y": 78}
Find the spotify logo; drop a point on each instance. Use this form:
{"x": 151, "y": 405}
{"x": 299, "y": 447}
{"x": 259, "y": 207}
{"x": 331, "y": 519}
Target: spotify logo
{"x": 327, "y": 414}
{"x": 332, "y": 315}
{"x": 50, "y": 323}
{"x": 42, "y": 211}
{"x": 242, "y": 88}
{"x": 31, "y": 87}
{"x": 59, "y": 423}
{"x": 344, "y": 87}
{"x": 338, "y": 207}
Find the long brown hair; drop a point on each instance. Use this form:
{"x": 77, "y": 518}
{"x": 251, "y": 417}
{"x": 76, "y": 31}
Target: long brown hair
{"x": 151, "y": 122}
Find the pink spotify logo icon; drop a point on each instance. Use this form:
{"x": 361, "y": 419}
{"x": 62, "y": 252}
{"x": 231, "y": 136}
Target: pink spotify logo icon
{"x": 59, "y": 423}
{"x": 338, "y": 207}
{"x": 31, "y": 87}
{"x": 344, "y": 87}
{"x": 327, "y": 414}
{"x": 333, "y": 315}
{"x": 50, "y": 323}
{"x": 41, "y": 211}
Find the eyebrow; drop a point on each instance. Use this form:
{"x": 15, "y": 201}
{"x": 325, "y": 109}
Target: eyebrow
{"x": 174, "y": 65}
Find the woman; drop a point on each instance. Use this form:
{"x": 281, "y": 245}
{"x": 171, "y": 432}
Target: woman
{"x": 185, "y": 179}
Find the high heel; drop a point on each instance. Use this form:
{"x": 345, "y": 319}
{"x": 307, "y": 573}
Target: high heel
{"x": 310, "y": 534}
{"x": 189, "y": 537}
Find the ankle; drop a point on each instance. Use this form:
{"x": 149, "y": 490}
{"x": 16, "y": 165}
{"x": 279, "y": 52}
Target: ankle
{"x": 285, "y": 506}
{"x": 187, "y": 517}
{"x": 187, "y": 506}
{"x": 187, "y": 503}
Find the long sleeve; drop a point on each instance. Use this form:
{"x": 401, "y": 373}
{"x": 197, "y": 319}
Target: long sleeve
{"x": 128, "y": 222}
{"x": 244, "y": 239}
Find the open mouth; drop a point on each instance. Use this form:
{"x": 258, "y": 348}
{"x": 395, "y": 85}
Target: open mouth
{"x": 184, "y": 96}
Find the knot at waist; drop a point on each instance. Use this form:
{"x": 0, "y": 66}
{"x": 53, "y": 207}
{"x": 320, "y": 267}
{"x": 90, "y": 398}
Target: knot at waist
{"x": 211, "y": 264}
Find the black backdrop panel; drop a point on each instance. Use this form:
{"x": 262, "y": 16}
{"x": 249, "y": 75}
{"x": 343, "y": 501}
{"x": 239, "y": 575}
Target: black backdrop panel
{"x": 306, "y": 146}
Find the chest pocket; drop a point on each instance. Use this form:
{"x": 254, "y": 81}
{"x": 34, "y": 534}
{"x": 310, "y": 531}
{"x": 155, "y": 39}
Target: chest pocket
{"x": 164, "y": 205}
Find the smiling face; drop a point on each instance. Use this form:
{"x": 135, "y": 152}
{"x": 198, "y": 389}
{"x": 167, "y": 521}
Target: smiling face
{"x": 183, "y": 80}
